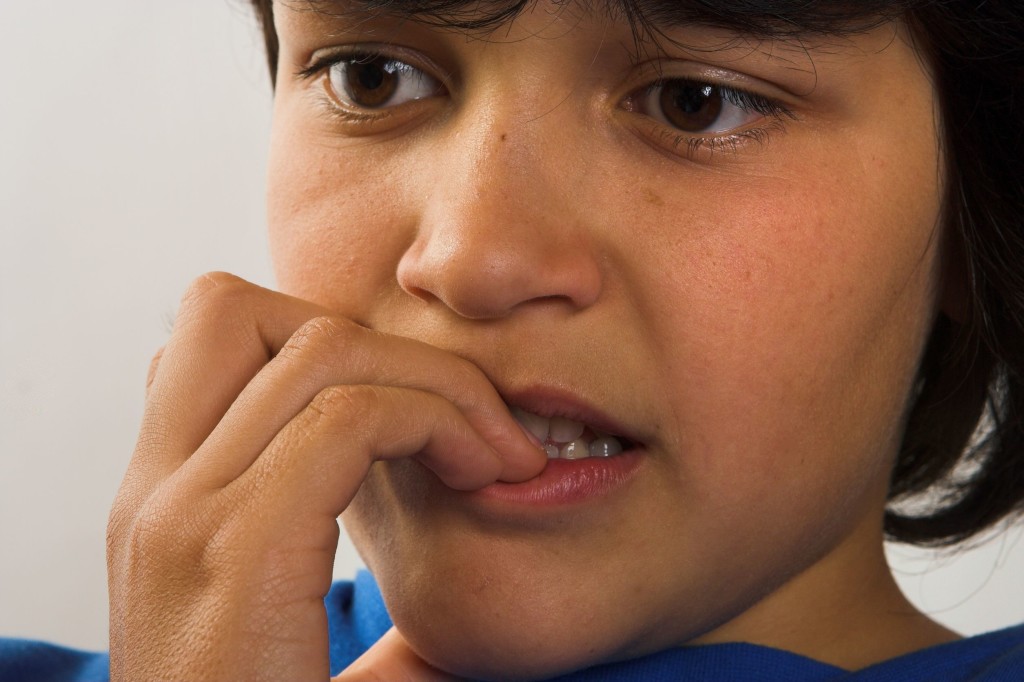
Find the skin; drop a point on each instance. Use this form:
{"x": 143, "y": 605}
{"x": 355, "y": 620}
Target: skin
{"x": 754, "y": 314}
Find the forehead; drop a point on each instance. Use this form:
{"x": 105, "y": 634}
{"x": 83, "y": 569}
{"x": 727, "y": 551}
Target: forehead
{"x": 763, "y": 18}
{"x": 784, "y": 34}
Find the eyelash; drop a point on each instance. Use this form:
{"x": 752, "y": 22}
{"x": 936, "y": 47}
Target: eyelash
{"x": 321, "y": 65}
{"x": 320, "y": 68}
{"x": 691, "y": 146}
{"x": 688, "y": 145}
{"x": 730, "y": 143}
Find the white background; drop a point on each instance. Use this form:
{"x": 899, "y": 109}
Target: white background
{"x": 132, "y": 155}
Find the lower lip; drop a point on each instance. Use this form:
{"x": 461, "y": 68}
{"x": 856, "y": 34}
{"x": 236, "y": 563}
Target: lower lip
{"x": 566, "y": 482}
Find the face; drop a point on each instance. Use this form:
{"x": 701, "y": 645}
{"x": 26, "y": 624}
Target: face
{"x": 724, "y": 252}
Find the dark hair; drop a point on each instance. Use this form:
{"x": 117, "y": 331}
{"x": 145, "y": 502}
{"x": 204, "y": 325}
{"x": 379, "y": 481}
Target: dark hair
{"x": 961, "y": 467}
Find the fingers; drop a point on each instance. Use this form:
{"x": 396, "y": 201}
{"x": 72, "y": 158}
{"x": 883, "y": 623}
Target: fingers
{"x": 153, "y": 365}
{"x": 332, "y": 352}
{"x": 391, "y": 660}
{"x": 250, "y": 360}
{"x": 264, "y": 414}
{"x": 316, "y": 463}
{"x": 225, "y": 331}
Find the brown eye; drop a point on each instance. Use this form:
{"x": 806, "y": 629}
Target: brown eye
{"x": 691, "y": 107}
{"x": 702, "y": 108}
{"x": 375, "y": 82}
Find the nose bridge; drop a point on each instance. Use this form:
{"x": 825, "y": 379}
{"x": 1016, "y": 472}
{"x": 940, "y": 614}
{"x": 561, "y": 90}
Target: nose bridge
{"x": 508, "y": 152}
{"x": 499, "y": 226}
{"x": 511, "y": 154}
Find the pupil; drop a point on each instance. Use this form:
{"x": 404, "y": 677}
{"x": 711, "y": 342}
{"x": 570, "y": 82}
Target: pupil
{"x": 692, "y": 107}
{"x": 370, "y": 83}
{"x": 370, "y": 77}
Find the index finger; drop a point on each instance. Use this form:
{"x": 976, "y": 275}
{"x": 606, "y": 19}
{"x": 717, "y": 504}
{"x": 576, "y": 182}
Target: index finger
{"x": 227, "y": 338}
{"x": 226, "y": 329}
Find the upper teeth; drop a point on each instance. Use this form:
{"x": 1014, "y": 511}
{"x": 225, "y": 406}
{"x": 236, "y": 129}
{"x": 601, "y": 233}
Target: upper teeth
{"x": 567, "y": 439}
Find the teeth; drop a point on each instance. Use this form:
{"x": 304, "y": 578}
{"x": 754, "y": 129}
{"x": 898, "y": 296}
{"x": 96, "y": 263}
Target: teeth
{"x": 577, "y": 449}
{"x": 565, "y": 430}
{"x": 605, "y": 447}
{"x": 563, "y": 438}
{"x": 536, "y": 425}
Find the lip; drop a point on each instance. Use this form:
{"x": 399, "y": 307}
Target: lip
{"x": 567, "y": 482}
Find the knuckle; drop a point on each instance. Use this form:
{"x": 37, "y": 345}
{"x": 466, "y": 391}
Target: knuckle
{"x": 118, "y": 521}
{"x": 220, "y": 307}
{"x": 179, "y": 538}
{"x": 348, "y": 409}
{"x": 154, "y": 364}
{"x": 204, "y": 286}
{"x": 165, "y": 531}
{"x": 214, "y": 294}
{"x": 345, "y": 402}
{"x": 317, "y": 337}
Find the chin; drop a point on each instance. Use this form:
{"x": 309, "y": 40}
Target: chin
{"x": 477, "y": 621}
{"x": 499, "y": 603}
{"x": 484, "y": 645}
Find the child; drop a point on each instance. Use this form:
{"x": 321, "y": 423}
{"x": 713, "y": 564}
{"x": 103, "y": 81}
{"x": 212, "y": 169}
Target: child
{"x": 622, "y": 335}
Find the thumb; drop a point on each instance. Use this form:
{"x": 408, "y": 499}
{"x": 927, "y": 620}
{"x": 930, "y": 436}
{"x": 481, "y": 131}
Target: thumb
{"x": 391, "y": 660}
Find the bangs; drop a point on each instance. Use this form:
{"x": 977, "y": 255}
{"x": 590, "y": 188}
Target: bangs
{"x": 758, "y": 18}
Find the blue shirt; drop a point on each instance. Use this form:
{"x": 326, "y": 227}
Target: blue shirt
{"x": 357, "y": 618}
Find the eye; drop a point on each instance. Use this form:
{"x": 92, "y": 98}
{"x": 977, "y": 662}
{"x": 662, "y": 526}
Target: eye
{"x": 702, "y": 108}
{"x": 377, "y": 82}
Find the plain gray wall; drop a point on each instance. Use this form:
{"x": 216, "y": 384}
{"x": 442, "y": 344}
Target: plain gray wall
{"x": 132, "y": 155}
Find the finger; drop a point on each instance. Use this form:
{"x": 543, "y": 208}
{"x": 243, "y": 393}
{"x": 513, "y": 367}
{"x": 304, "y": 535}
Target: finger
{"x": 225, "y": 331}
{"x": 153, "y": 365}
{"x": 229, "y": 329}
{"x": 315, "y": 465}
{"x": 392, "y": 660}
{"x": 328, "y": 352}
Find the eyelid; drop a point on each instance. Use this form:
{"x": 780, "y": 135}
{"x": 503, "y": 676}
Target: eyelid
{"x": 745, "y": 100}
{"x": 689, "y": 70}
{"x": 327, "y": 57}
{"x": 736, "y": 96}
{"x": 752, "y": 94}
{"x": 357, "y": 121}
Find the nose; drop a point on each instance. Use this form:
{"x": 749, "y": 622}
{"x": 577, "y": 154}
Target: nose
{"x": 500, "y": 229}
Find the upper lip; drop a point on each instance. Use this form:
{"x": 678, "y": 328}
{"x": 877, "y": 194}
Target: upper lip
{"x": 547, "y": 401}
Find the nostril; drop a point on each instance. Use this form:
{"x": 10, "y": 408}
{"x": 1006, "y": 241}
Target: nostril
{"x": 478, "y": 284}
{"x": 420, "y": 293}
{"x": 483, "y": 260}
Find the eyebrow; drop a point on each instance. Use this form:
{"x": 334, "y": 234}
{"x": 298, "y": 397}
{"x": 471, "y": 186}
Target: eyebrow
{"x": 764, "y": 18}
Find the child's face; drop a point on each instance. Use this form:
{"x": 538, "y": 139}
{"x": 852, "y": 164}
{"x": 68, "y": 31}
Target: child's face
{"x": 750, "y": 310}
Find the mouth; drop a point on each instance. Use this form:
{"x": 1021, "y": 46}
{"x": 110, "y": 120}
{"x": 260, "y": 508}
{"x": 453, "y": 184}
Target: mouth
{"x": 590, "y": 457}
{"x": 564, "y": 438}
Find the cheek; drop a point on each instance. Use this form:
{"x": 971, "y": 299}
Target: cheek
{"x": 333, "y": 240}
{"x": 799, "y": 316}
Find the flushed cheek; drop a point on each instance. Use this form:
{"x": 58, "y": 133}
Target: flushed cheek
{"x": 796, "y": 328}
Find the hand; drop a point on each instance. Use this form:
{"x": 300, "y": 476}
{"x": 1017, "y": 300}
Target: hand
{"x": 263, "y": 415}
